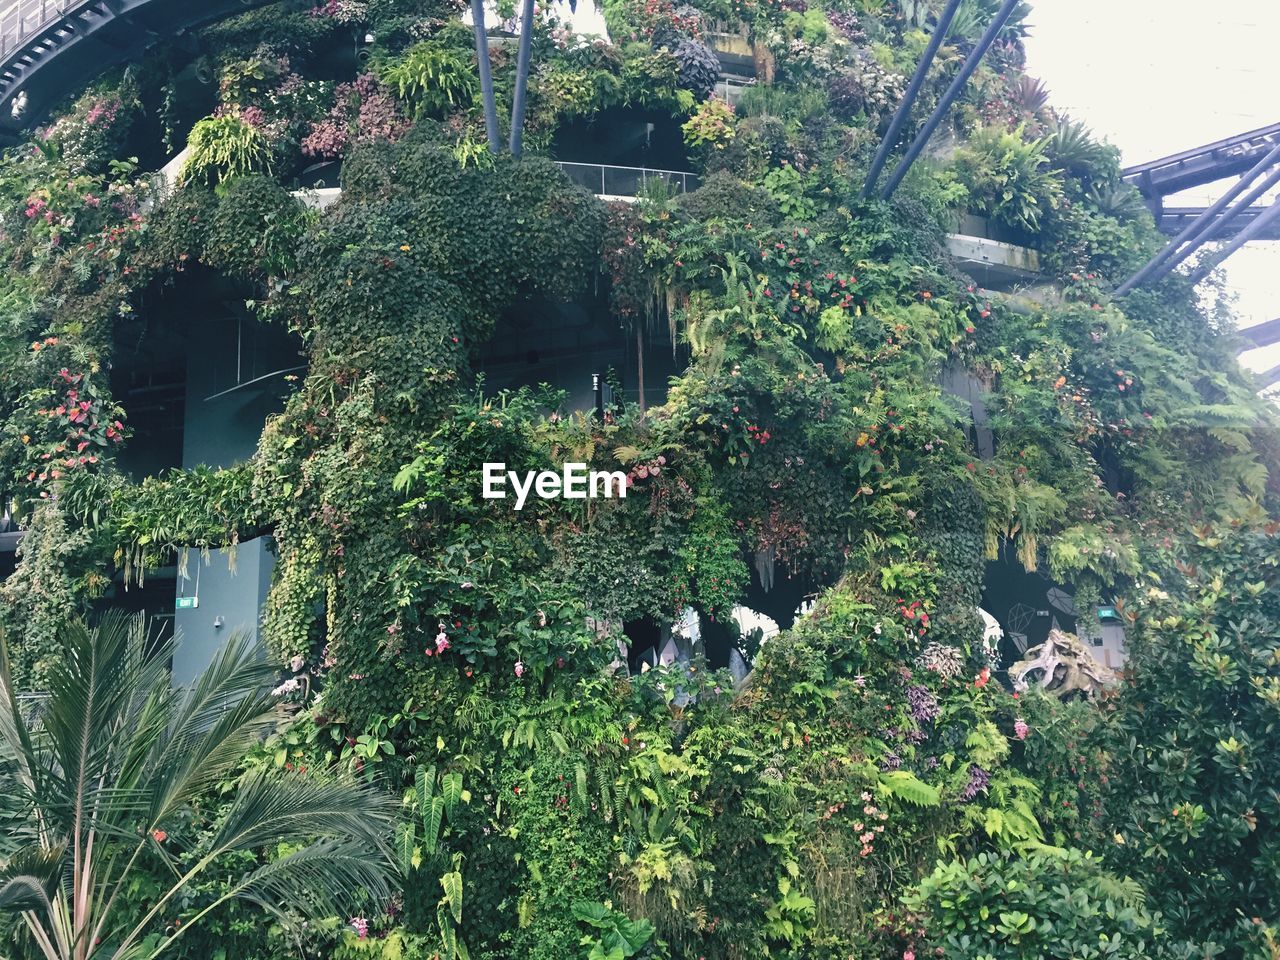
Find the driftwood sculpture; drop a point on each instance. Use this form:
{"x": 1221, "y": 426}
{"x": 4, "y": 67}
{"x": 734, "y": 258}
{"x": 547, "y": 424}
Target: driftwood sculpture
{"x": 1064, "y": 667}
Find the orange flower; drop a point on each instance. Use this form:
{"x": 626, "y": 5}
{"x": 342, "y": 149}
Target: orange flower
{"x": 159, "y": 836}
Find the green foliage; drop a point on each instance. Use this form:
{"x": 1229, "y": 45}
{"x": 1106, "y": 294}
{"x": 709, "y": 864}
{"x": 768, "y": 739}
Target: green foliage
{"x": 1054, "y": 904}
{"x": 711, "y": 127}
{"x": 222, "y": 148}
{"x": 1192, "y": 794}
{"x": 1009, "y": 177}
{"x": 111, "y": 769}
{"x": 618, "y": 937}
{"x": 813, "y": 459}
{"x": 433, "y": 78}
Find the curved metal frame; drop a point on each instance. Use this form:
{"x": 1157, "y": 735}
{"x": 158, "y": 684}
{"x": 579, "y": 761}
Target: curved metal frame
{"x": 51, "y": 48}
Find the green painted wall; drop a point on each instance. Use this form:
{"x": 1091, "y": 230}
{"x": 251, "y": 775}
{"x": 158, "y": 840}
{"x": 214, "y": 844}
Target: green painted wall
{"x": 221, "y": 429}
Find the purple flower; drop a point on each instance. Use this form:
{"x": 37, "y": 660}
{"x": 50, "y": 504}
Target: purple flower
{"x": 978, "y": 780}
{"x": 924, "y": 706}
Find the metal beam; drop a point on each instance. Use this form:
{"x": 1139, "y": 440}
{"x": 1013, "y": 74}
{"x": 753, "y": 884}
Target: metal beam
{"x": 1261, "y": 335}
{"x": 1269, "y": 378}
{"x": 1198, "y": 231}
{"x": 1204, "y": 164}
{"x": 1243, "y": 237}
{"x": 48, "y": 50}
{"x": 966, "y": 71}
{"x": 890, "y": 139}
{"x": 1173, "y": 220}
{"x": 522, "y": 78}
{"x": 486, "y": 78}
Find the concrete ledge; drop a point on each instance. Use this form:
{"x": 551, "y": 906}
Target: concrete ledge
{"x": 319, "y": 198}
{"x": 993, "y": 264}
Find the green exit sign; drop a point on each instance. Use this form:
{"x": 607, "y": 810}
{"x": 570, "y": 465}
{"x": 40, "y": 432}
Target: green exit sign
{"x": 1108, "y": 613}
{"x": 188, "y": 603}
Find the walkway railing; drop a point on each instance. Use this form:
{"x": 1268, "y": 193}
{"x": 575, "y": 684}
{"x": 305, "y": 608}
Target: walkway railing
{"x": 608, "y": 180}
{"x": 22, "y": 19}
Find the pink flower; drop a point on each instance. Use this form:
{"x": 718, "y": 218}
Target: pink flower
{"x": 442, "y": 643}
{"x": 1020, "y": 729}
{"x": 519, "y": 668}
{"x": 908, "y": 955}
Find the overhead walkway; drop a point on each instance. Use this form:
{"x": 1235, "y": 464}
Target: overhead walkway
{"x": 49, "y": 49}
{"x": 1157, "y": 179}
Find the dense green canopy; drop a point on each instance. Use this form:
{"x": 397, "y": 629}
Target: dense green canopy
{"x": 870, "y": 790}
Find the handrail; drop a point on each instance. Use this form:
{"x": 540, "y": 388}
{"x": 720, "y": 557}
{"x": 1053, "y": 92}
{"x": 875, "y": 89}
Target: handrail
{"x": 618, "y": 166}
{"x": 23, "y": 19}
{"x": 626, "y": 181}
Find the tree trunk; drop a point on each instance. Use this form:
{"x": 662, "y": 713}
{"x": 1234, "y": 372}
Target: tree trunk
{"x": 522, "y": 77}
{"x": 486, "y": 77}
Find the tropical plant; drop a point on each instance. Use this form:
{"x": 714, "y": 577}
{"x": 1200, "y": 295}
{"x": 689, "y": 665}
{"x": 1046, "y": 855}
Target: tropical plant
{"x": 1195, "y": 778}
{"x": 97, "y": 783}
{"x": 1072, "y": 147}
{"x": 974, "y": 16}
{"x": 1031, "y": 94}
{"x": 1009, "y": 177}
{"x": 434, "y": 78}
{"x": 711, "y": 127}
{"x": 224, "y": 147}
{"x": 615, "y": 936}
{"x": 1054, "y": 904}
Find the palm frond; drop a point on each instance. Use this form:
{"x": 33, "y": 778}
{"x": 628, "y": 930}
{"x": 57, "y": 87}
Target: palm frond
{"x": 324, "y": 879}
{"x": 275, "y": 807}
{"x": 28, "y": 878}
{"x": 20, "y": 772}
{"x": 214, "y": 723}
{"x": 89, "y": 695}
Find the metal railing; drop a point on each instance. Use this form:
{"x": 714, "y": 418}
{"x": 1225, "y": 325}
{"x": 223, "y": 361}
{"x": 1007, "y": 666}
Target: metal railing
{"x": 22, "y": 19}
{"x": 609, "y": 180}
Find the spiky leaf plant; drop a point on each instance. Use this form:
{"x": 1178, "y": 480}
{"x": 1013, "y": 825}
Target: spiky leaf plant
{"x": 96, "y": 777}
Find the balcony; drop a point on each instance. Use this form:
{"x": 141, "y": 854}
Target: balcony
{"x": 611, "y": 182}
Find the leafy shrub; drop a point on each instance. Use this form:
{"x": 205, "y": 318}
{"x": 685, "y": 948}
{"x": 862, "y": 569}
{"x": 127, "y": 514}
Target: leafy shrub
{"x": 699, "y": 68}
{"x": 363, "y": 112}
{"x": 435, "y": 79}
{"x": 92, "y": 133}
{"x": 619, "y": 937}
{"x": 711, "y": 127}
{"x": 1008, "y": 177}
{"x": 1047, "y": 905}
{"x": 1072, "y": 148}
{"x": 224, "y": 147}
{"x": 1194, "y": 792}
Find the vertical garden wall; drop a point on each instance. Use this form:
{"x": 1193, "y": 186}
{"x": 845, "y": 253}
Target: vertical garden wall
{"x": 238, "y": 376}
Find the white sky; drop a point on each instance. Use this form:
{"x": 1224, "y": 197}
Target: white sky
{"x": 1158, "y": 76}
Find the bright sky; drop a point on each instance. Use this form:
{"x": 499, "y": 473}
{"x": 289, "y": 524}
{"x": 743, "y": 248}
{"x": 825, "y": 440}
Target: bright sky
{"x": 1158, "y": 76}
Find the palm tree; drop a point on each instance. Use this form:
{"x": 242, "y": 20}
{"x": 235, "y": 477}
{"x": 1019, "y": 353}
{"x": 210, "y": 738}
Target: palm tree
{"x": 112, "y": 763}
